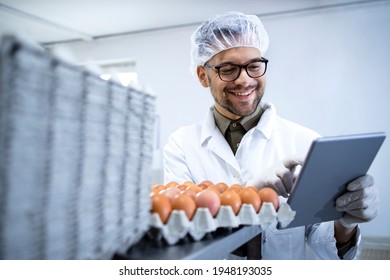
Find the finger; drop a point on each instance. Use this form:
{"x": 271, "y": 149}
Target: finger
{"x": 296, "y": 172}
{"x": 291, "y": 163}
{"x": 358, "y": 204}
{"x": 275, "y": 184}
{"x": 361, "y": 183}
{"x": 359, "y": 215}
{"x": 349, "y": 219}
{"x": 364, "y": 214}
{"x": 286, "y": 179}
{"x": 281, "y": 188}
{"x": 351, "y": 196}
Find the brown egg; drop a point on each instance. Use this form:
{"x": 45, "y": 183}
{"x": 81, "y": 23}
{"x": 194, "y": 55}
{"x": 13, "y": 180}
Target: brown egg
{"x": 206, "y": 182}
{"x": 214, "y": 189}
{"x": 156, "y": 188}
{"x": 189, "y": 183}
{"x": 154, "y": 192}
{"x": 190, "y": 192}
{"x": 236, "y": 187}
{"x": 170, "y": 193}
{"x": 203, "y": 186}
{"x": 171, "y": 184}
{"x": 269, "y": 195}
{"x": 250, "y": 196}
{"x": 221, "y": 186}
{"x": 208, "y": 199}
{"x": 181, "y": 187}
{"x": 232, "y": 199}
{"x": 185, "y": 203}
{"x": 161, "y": 206}
{"x": 251, "y": 187}
{"x": 194, "y": 188}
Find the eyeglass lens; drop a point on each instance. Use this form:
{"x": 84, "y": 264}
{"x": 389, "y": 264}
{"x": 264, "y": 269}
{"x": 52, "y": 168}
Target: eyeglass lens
{"x": 231, "y": 72}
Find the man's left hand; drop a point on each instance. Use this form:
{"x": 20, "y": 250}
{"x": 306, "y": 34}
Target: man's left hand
{"x": 360, "y": 202}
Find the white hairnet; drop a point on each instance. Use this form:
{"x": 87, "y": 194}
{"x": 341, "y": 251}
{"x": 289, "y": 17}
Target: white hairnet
{"x": 226, "y": 31}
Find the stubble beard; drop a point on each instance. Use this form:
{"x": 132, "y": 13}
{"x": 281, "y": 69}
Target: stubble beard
{"x": 238, "y": 108}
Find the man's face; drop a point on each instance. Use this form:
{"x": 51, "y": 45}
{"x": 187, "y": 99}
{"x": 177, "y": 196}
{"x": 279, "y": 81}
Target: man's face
{"x": 240, "y": 97}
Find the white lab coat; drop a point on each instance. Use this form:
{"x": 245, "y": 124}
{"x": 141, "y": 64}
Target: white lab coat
{"x": 200, "y": 152}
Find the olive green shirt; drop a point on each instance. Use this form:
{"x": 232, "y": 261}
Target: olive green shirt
{"x": 233, "y": 131}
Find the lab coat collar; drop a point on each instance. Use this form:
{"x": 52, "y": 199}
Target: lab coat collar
{"x": 267, "y": 121}
{"x": 215, "y": 141}
{"x": 209, "y": 128}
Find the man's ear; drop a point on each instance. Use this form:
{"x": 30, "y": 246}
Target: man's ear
{"x": 201, "y": 72}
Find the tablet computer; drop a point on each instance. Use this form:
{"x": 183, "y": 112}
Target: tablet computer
{"x": 331, "y": 163}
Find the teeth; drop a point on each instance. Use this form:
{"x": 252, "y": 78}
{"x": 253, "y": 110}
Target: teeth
{"x": 241, "y": 93}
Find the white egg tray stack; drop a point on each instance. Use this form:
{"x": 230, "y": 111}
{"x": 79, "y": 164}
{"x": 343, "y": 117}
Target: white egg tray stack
{"x": 179, "y": 226}
{"x": 76, "y": 153}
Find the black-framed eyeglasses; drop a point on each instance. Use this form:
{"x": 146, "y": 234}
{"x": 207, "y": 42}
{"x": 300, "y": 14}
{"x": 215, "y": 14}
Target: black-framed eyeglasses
{"x": 229, "y": 72}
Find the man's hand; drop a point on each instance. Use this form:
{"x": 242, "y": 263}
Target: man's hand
{"x": 281, "y": 176}
{"x": 360, "y": 202}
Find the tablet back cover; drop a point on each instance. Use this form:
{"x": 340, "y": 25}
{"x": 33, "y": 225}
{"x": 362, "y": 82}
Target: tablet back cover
{"x": 331, "y": 163}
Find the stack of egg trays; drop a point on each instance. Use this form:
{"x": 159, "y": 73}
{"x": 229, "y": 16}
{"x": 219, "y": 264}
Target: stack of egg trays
{"x": 139, "y": 151}
{"x": 24, "y": 125}
{"x": 65, "y": 169}
{"x": 64, "y": 165}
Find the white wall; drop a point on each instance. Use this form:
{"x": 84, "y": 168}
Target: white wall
{"x": 329, "y": 70}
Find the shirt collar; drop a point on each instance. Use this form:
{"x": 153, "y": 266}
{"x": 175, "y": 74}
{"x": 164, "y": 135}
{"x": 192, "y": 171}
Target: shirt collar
{"x": 247, "y": 122}
{"x": 265, "y": 125}
{"x": 221, "y": 121}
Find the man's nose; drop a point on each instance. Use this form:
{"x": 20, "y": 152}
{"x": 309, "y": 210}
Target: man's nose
{"x": 243, "y": 77}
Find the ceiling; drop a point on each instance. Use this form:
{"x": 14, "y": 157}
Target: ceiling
{"x": 48, "y": 21}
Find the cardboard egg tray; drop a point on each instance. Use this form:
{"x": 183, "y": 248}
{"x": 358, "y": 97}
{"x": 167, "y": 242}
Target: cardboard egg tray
{"x": 178, "y": 225}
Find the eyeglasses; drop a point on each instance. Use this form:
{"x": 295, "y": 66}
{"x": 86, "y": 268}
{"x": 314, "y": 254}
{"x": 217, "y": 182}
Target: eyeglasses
{"x": 230, "y": 71}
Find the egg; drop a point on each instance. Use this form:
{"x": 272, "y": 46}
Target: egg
{"x": 232, "y": 199}
{"x": 203, "y": 186}
{"x": 162, "y": 206}
{"x": 253, "y": 188}
{"x": 269, "y": 195}
{"x": 235, "y": 187}
{"x": 156, "y": 189}
{"x": 190, "y": 192}
{"x": 208, "y": 199}
{"x": 194, "y": 188}
{"x": 221, "y": 186}
{"x": 170, "y": 193}
{"x": 215, "y": 189}
{"x": 189, "y": 183}
{"x": 181, "y": 187}
{"x": 206, "y": 182}
{"x": 185, "y": 203}
{"x": 171, "y": 184}
{"x": 249, "y": 196}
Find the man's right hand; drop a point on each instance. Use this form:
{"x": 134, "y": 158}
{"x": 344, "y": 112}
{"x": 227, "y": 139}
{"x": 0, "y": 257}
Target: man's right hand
{"x": 281, "y": 176}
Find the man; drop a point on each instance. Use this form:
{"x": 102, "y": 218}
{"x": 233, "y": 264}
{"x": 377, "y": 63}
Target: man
{"x": 242, "y": 140}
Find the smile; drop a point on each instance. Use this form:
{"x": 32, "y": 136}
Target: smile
{"x": 245, "y": 93}
{"x": 241, "y": 93}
